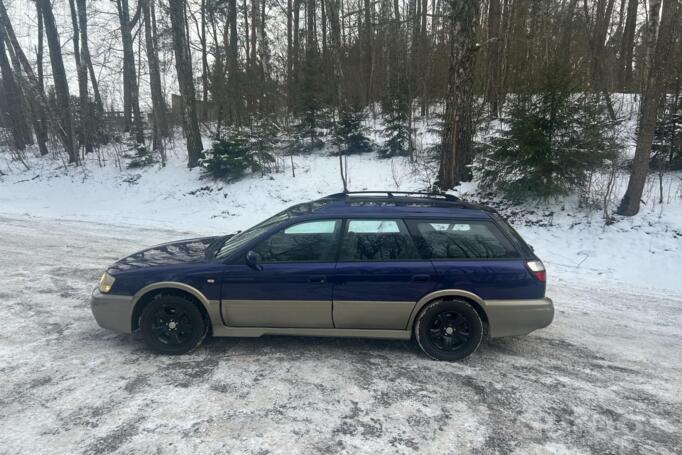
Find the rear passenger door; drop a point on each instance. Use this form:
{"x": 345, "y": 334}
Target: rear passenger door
{"x": 379, "y": 275}
{"x": 474, "y": 255}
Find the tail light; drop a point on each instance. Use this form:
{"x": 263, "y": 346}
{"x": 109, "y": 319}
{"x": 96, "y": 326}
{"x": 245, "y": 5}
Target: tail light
{"x": 537, "y": 268}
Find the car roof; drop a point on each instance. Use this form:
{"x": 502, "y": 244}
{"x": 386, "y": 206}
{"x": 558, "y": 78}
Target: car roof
{"x": 383, "y": 203}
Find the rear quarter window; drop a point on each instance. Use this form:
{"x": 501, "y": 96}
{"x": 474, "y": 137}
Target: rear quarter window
{"x": 516, "y": 239}
{"x": 459, "y": 239}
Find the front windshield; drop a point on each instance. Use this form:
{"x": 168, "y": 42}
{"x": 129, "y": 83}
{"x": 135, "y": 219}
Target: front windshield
{"x": 235, "y": 242}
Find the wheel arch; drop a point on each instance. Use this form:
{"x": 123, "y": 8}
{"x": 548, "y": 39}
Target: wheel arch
{"x": 476, "y": 302}
{"x": 145, "y": 295}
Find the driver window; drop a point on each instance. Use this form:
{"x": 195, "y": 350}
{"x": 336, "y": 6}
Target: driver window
{"x": 310, "y": 241}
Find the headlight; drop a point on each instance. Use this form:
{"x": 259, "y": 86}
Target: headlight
{"x": 106, "y": 282}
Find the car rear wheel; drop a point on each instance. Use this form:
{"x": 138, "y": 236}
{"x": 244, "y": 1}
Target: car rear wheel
{"x": 173, "y": 324}
{"x": 448, "y": 330}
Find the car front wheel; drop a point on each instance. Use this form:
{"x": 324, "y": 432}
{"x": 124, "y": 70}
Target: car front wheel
{"x": 172, "y": 324}
{"x": 448, "y": 330}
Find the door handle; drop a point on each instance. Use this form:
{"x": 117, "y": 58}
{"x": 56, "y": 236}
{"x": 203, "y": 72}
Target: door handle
{"x": 421, "y": 277}
{"x": 317, "y": 279}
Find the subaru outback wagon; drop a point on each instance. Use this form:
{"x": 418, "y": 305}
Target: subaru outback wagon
{"x": 378, "y": 265}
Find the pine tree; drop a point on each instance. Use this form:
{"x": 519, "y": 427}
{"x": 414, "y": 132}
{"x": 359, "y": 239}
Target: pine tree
{"x": 549, "y": 142}
{"x": 350, "y": 133}
{"x": 396, "y": 129}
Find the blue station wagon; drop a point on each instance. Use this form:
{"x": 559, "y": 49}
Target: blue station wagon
{"x": 428, "y": 267}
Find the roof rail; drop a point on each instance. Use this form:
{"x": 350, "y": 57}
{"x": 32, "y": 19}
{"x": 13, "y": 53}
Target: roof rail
{"x": 390, "y": 194}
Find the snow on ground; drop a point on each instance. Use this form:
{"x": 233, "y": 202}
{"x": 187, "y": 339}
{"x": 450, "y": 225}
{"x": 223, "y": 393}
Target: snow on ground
{"x": 605, "y": 377}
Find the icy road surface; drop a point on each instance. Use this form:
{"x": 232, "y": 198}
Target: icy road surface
{"x": 606, "y": 377}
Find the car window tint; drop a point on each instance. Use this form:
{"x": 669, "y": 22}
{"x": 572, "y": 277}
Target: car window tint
{"x": 311, "y": 241}
{"x": 463, "y": 240}
{"x": 373, "y": 226}
{"x": 235, "y": 242}
{"x": 377, "y": 240}
{"x": 516, "y": 239}
{"x": 314, "y": 227}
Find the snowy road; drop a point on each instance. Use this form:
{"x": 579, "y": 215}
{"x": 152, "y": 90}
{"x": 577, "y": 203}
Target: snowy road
{"x": 606, "y": 377}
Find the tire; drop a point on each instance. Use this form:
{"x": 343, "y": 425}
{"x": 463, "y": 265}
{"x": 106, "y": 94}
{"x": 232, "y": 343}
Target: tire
{"x": 448, "y": 330}
{"x": 173, "y": 324}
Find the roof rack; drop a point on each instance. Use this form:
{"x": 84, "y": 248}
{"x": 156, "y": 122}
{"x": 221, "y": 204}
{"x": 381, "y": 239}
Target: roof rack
{"x": 390, "y": 194}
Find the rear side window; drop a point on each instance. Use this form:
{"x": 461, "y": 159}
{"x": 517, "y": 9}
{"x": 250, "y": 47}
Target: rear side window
{"x": 312, "y": 241}
{"x": 516, "y": 239}
{"x": 377, "y": 240}
{"x": 448, "y": 239}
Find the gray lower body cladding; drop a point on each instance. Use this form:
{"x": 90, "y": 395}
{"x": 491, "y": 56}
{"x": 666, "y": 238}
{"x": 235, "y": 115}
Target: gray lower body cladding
{"x": 505, "y": 318}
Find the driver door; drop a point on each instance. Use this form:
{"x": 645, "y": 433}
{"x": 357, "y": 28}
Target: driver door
{"x": 290, "y": 284}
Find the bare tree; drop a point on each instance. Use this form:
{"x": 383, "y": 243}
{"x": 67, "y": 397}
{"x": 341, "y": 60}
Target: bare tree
{"x": 627, "y": 45}
{"x": 84, "y": 136}
{"x": 183, "y": 65}
{"x": 457, "y": 140}
{"x": 658, "y": 43}
{"x": 493, "y": 57}
{"x": 131, "y": 94}
{"x": 12, "y": 104}
{"x": 61, "y": 86}
{"x": 159, "y": 127}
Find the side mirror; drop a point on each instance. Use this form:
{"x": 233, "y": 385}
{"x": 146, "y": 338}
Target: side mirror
{"x": 252, "y": 260}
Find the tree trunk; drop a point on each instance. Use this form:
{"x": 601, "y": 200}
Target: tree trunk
{"x": 183, "y": 65}
{"x": 85, "y": 53}
{"x": 39, "y": 116}
{"x": 204, "y": 56}
{"x": 627, "y": 46}
{"x": 131, "y": 94}
{"x": 28, "y": 80}
{"x": 159, "y": 127}
{"x": 13, "y": 106}
{"x": 234, "y": 99}
{"x": 493, "y": 54}
{"x": 290, "y": 57}
{"x": 84, "y": 136}
{"x": 457, "y": 140}
{"x": 297, "y": 48}
{"x": 61, "y": 86}
{"x": 658, "y": 44}
{"x": 369, "y": 64}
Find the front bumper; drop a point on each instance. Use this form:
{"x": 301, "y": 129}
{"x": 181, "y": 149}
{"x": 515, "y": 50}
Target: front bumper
{"x": 113, "y": 312}
{"x": 518, "y": 317}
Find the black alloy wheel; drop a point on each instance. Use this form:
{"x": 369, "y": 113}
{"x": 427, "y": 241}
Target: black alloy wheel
{"x": 448, "y": 329}
{"x": 173, "y": 324}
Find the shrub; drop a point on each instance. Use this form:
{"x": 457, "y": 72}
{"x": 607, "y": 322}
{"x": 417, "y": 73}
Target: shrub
{"x": 548, "y": 144}
{"x": 397, "y": 130}
{"x": 137, "y": 155}
{"x": 667, "y": 144}
{"x": 350, "y": 133}
{"x": 263, "y": 137}
{"x": 230, "y": 157}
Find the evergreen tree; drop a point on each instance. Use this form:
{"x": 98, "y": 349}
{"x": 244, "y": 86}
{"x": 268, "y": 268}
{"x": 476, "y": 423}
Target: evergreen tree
{"x": 350, "y": 133}
{"x": 237, "y": 151}
{"x": 667, "y": 144}
{"x": 263, "y": 138}
{"x": 397, "y": 129}
{"x": 549, "y": 142}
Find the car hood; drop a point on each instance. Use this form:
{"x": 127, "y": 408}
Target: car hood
{"x": 172, "y": 253}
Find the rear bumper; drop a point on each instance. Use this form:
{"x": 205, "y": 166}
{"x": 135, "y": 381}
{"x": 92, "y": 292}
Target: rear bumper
{"x": 113, "y": 312}
{"x": 518, "y": 317}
